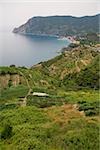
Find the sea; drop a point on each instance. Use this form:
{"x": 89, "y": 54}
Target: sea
{"x": 28, "y": 50}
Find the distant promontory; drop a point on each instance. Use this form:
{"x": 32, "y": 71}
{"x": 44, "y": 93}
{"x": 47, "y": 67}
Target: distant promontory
{"x": 60, "y": 25}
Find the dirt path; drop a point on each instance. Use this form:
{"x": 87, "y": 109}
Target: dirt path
{"x": 24, "y": 102}
{"x": 77, "y": 67}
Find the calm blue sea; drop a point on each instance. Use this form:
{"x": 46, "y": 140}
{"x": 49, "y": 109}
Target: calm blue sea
{"x": 29, "y": 50}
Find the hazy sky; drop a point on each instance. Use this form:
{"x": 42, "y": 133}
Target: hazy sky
{"x": 16, "y": 12}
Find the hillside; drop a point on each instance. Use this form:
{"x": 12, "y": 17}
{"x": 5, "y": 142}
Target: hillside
{"x": 77, "y": 69}
{"x": 53, "y": 73}
{"x": 68, "y": 118}
{"x": 72, "y": 66}
{"x": 60, "y": 25}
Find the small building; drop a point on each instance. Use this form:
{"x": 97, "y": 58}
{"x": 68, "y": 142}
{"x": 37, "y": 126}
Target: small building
{"x": 40, "y": 94}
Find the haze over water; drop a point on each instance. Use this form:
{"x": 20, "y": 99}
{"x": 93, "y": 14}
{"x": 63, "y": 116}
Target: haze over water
{"x": 28, "y": 50}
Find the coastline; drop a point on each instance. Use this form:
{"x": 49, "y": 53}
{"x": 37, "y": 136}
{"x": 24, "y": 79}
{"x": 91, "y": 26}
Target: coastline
{"x": 47, "y": 35}
{"x": 62, "y": 38}
{"x": 33, "y": 53}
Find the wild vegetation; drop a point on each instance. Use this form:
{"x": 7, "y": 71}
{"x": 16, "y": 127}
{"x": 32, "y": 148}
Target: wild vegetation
{"x": 54, "y": 128}
{"x": 68, "y": 118}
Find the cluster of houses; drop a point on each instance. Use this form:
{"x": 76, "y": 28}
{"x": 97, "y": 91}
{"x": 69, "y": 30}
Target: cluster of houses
{"x": 73, "y": 39}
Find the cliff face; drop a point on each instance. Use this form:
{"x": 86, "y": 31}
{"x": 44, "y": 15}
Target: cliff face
{"x": 8, "y": 80}
{"x": 59, "y": 25}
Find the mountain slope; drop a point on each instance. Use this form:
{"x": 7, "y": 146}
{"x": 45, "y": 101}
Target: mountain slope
{"x": 65, "y": 70}
{"x": 69, "y": 68}
{"x": 60, "y": 25}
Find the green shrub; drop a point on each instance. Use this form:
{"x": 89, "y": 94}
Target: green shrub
{"x": 90, "y": 112}
{"x": 7, "y": 131}
{"x": 90, "y": 108}
{"x": 10, "y": 83}
{"x": 7, "y": 106}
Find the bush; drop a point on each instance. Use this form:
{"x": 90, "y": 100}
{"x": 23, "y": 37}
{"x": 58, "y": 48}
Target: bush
{"x": 90, "y": 108}
{"x": 7, "y": 106}
{"x": 85, "y": 106}
{"x": 10, "y": 83}
{"x": 90, "y": 112}
{"x": 12, "y": 65}
{"x": 7, "y": 132}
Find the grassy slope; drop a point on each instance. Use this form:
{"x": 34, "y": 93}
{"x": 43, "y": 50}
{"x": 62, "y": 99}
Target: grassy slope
{"x": 56, "y": 128}
{"x": 59, "y": 127}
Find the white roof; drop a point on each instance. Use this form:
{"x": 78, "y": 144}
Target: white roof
{"x": 40, "y": 94}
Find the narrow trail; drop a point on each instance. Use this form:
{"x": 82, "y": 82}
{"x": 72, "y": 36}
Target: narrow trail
{"x": 83, "y": 62}
{"x": 24, "y": 102}
{"x": 77, "y": 67}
